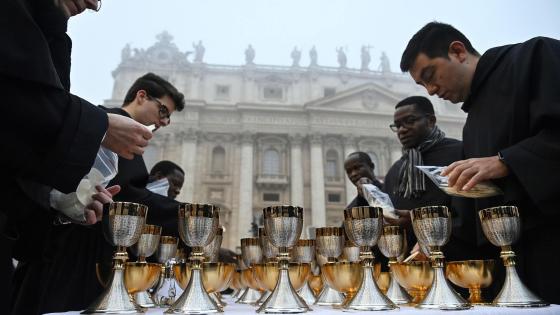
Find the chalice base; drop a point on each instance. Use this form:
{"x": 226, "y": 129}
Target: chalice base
{"x": 369, "y": 297}
{"x": 396, "y": 293}
{"x": 283, "y": 300}
{"x": 194, "y": 299}
{"x": 166, "y": 292}
{"x": 442, "y": 296}
{"x": 515, "y": 294}
{"x": 249, "y": 296}
{"x": 329, "y": 297}
{"x": 263, "y": 298}
{"x": 115, "y": 299}
{"x": 143, "y": 299}
{"x": 307, "y": 294}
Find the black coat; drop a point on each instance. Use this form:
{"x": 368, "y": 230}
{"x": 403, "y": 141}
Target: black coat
{"x": 514, "y": 108}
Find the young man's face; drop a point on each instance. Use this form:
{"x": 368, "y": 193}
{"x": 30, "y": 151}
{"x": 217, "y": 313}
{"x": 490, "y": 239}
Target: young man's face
{"x": 176, "y": 180}
{"x": 447, "y": 78}
{"x": 155, "y": 110}
{"x": 413, "y": 126}
{"x": 356, "y": 168}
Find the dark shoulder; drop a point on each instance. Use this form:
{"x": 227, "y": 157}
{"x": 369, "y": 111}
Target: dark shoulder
{"x": 115, "y": 110}
{"x": 444, "y": 152}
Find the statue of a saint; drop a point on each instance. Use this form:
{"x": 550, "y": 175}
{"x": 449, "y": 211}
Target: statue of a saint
{"x": 199, "y": 51}
{"x": 366, "y": 58}
{"x": 341, "y": 56}
{"x": 296, "y": 57}
{"x": 313, "y": 56}
{"x": 126, "y": 53}
{"x": 249, "y": 55}
{"x": 384, "y": 65}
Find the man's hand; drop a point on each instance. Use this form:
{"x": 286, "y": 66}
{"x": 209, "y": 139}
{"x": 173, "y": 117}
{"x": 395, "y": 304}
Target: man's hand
{"x": 94, "y": 211}
{"x": 360, "y": 182}
{"x": 125, "y": 136}
{"x": 75, "y": 7}
{"x": 403, "y": 221}
{"x": 465, "y": 174}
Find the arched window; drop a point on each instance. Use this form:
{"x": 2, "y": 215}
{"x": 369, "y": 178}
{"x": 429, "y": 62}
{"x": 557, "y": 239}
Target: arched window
{"x": 271, "y": 162}
{"x": 218, "y": 160}
{"x": 332, "y": 164}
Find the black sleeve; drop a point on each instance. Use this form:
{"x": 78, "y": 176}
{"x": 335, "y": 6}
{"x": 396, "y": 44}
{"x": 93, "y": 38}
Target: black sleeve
{"x": 535, "y": 160}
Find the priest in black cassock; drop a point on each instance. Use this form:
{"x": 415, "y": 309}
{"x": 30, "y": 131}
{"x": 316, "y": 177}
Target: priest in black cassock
{"x": 511, "y": 136}
{"x": 64, "y": 279}
{"x": 423, "y": 143}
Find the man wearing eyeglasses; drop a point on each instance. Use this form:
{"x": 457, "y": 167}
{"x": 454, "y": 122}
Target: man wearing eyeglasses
{"x": 423, "y": 143}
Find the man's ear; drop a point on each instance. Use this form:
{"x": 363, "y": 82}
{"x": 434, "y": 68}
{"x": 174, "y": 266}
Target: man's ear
{"x": 141, "y": 96}
{"x": 432, "y": 120}
{"x": 457, "y": 50}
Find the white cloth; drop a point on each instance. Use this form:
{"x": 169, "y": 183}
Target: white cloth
{"x": 243, "y": 309}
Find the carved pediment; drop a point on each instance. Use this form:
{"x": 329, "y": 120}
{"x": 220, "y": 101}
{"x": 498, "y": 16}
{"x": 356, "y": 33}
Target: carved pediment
{"x": 364, "y": 98}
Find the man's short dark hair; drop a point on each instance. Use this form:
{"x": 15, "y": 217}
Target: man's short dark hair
{"x": 433, "y": 40}
{"x": 165, "y": 168}
{"x": 155, "y": 86}
{"x": 420, "y": 103}
{"x": 362, "y": 156}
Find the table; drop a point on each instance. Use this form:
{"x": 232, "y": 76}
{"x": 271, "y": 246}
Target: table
{"x": 238, "y": 309}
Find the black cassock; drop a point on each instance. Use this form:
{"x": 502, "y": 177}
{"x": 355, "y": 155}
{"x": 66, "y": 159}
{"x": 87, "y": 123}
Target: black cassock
{"x": 67, "y": 266}
{"x": 514, "y": 108}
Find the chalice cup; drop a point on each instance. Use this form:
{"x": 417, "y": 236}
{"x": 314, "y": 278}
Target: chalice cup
{"x": 212, "y": 250}
{"x": 283, "y": 225}
{"x": 304, "y": 252}
{"x": 432, "y": 227}
{"x": 364, "y": 226}
{"x": 251, "y": 254}
{"x": 145, "y": 247}
{"x": 473, "y": 275}
{"x": 329, "y": 242}
{"x": 391, "y": 244}
{"x": 198, "y": 224}
{"x": 122, "y": 226}
{"x": 351, "y": 252}
{"x": 415, "y": 276}
{"x": 166, "y": 289}
{"x": 502, "y": 227}
{"x": 270, "y": 254}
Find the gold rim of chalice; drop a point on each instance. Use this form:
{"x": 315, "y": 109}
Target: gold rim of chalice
{"x": 344, "y": 277}
{"x": 329, "y": 231}
{"x": 128, "y": 208}
{"x": 415, "y": 276}
{"x": 283, "y": 211}
{"x": 364, "y": 212}
{"x": 498, "y": 212}
{"x": 198, "y": 210}
{"x": 151, "y": 229}
{"x": 266, "y": 274}
{"x": 471, "y": 274}
{"x": 140, "y": 276}
{"x": 305, "y": 243}
{"x": 430, "y": 212}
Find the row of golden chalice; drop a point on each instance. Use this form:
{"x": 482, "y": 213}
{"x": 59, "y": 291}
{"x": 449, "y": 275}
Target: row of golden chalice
{"x": 426, "y": 282}
{"x": 198, "y": 224}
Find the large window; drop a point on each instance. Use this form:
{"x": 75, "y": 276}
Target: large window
{"x": 273, "y": 93}
{"x": 271, "y": 162}
{"x": 332, "y": 165}
{"x": 218, "y": 160}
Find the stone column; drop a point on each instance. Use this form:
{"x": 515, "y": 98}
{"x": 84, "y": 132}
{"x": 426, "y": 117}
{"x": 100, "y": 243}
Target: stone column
{"x": 349, "y": 147}
{"x": 188, "y": 163}
{"x": 318, "y": 210}
{"x": 296, "y": 173}
{"x": 245, "y": 186}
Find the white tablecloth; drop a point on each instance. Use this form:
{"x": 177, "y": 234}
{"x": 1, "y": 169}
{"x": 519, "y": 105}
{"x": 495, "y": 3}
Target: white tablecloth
{"x": 234, "y": 308}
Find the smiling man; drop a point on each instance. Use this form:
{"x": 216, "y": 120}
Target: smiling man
{"x": 512, "y": 132}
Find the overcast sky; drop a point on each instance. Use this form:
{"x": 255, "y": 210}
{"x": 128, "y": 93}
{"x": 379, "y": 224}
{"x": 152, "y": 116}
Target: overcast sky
{"x": 274, "y": 27}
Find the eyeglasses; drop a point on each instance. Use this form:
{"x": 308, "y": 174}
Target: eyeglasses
{"x": 407, "y": 122}
{"x": 163, "y": 111}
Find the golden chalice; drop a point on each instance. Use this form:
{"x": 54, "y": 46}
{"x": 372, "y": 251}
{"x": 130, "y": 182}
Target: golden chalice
{"x": 140, "y": 276}
{"x": 215, "y": 276}
{"x": 383, "y": 281}
{"x": 415, "y": 276}
{"x": 473, "y": 275}
{"x": 316, "y": 283}
{"x": 266, "y": 274}
{"x": 344, "y": 277}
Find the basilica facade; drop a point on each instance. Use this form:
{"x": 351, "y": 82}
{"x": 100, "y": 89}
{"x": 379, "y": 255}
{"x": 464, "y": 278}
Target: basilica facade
{"x": 255, "y": 135}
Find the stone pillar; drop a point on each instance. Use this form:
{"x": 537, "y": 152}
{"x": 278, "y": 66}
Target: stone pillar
{"x": 245, "y": 210}
{"x": 296, "y": 173}
{"x": 318, "y": 210}
{"x": 188, "y": 163}
{"x": 349, "y": 147}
